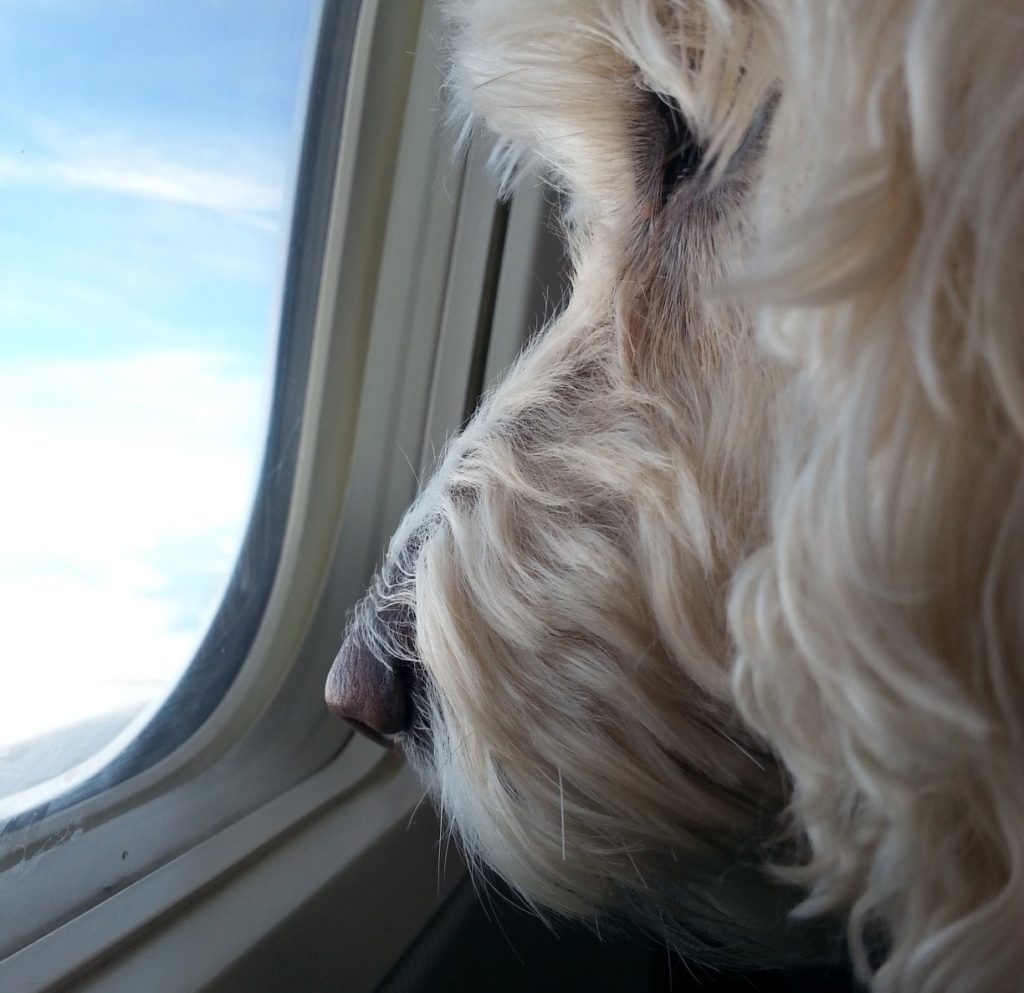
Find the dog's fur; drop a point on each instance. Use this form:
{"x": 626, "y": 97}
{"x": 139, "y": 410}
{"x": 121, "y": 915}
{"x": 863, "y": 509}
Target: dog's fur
{"x": 743, "y": 531}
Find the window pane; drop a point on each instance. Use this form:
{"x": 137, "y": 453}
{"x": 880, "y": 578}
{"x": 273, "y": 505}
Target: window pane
{"x": 146, "y": 156}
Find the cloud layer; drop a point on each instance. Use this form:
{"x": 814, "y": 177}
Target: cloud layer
{"x": 128, "y": 486}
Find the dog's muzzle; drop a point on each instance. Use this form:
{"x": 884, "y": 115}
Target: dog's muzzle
{"x": 366, "y": 693}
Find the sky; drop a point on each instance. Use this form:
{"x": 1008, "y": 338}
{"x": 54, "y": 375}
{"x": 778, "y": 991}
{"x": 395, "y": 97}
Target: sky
{"x": 147, "y": 157}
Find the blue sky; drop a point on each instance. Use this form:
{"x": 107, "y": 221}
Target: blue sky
{"x": 140, "y": 138}
{"x": 147, "y": 151}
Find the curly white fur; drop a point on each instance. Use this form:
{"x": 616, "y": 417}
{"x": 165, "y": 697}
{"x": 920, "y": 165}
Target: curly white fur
{"x": 757, "y": 492}
{"x": 881, "y": 629}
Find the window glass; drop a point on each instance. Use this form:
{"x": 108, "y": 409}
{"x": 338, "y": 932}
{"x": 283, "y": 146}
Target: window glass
{"x": 147, "y": 151}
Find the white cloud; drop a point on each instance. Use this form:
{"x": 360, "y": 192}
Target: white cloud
{"x": 232, "y": 181}
{"x": 238, "y": 196}
{"x": 128, "y": 483}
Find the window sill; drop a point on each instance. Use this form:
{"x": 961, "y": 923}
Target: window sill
{"x": 352, "y": 828}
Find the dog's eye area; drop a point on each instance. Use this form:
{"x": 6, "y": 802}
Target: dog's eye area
{"x": 682, "y": 152}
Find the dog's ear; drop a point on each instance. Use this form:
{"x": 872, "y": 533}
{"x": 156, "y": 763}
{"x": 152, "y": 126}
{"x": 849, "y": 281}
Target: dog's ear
{"x": 880, "y": 636}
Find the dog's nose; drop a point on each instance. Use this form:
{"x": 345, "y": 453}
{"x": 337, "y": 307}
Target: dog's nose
{"x": 364, "y": 692}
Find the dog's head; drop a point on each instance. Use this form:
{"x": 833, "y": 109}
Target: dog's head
{"x": 547, "y": 636}
{"x": 656, "y": 536}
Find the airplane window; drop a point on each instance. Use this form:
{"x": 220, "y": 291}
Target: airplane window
{"x": 147, "y": 161}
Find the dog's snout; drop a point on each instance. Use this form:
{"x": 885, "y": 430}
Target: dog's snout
{"x": 365, "y": 692}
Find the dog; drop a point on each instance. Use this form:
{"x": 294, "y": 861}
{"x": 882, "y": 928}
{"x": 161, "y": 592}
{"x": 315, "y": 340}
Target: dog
{"x": 713, "y": 615}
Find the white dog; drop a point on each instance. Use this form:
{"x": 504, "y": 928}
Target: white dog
{"x": 724, "y": 584}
